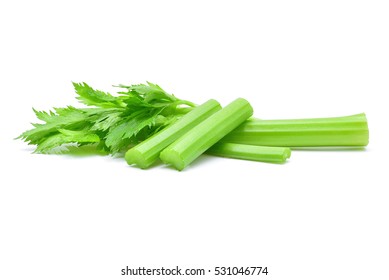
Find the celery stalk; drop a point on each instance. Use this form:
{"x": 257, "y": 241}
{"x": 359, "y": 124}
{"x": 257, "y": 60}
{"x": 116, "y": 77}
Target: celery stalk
{"x": 250, "y": 152}
{"x": 195, "y": 142}
{"x": 147, "y": 152}
{"x": 338, "y": 131}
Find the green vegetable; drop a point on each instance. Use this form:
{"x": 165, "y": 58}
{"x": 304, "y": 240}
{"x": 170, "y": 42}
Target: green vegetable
{"x": 192, "y": 144}
{"x": 149, "y": 118}
{"x": 147, "y": 152}
{"x": 250, "y": 152}
{"x": 338, "y": 131}
{"x": 113, "y": 124}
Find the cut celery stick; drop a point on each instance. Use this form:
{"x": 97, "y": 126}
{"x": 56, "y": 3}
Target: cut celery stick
{"x": 195, "y": 142}
{"x": 147, "y": 152}
{"x": 319, "y": 132}
{"x": 250, "y": 152}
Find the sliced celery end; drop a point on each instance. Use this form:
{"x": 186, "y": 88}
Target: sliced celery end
{"x": 134, "y": 156}
{"x": 172, "y": 157}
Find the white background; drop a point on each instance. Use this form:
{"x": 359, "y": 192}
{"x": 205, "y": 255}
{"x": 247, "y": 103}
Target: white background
{"x": 323, "y": 215}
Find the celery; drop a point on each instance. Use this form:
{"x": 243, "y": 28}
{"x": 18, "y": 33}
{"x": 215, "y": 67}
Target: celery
{"x": 250, "y": 152}
{"x": 147, "y": 152}
{"x": 195, "y": 142}
{"x": 113, "y": 123}
{"x": 338, "y": 131}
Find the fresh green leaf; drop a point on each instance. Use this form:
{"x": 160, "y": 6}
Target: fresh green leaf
{"x": 112, "y": 121}
{"x": 92, "y": 97}
{"x": 65, "y": 136}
